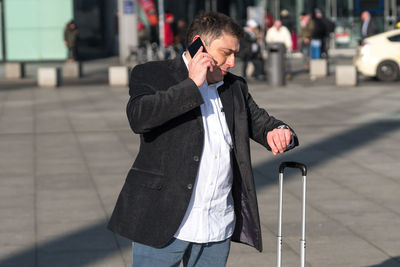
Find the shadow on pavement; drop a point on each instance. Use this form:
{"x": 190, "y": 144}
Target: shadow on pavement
{"x": 334, "y": 147}
{"x": 88, "y": 239}
{"x": 392, "y": 262}
{"x": 80, "y": 248}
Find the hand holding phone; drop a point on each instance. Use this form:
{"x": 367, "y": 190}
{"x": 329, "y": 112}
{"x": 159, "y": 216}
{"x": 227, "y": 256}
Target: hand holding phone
{"x": 200, "y": 62}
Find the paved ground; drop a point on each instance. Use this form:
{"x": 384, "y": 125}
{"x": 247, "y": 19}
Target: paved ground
{"x": 64, "y": 154}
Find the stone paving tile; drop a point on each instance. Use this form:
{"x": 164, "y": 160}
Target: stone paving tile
{"x": 16, "y": 154}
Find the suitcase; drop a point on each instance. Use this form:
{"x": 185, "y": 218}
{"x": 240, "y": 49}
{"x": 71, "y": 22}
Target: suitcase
{"x": 303, "y": 168}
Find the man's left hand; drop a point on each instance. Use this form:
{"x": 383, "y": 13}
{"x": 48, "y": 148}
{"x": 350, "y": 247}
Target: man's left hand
{"x": 279, "y": 139}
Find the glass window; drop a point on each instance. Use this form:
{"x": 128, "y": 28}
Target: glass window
{"x": 39, "y": 24}
{"x": 395, "y": 38}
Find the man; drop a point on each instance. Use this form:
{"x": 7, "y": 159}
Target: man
{"x": 368, "y": 26}
{"x": 71, "y": 40}
{"x": 250, "y": 50}
{"x": 319, "y": 36}
{"x": 169, "y": 36}
{"x": 307, "y": 28}
{"x": 280, "y": 34}
{"x": 190, "y": 190}
{"x": 329, "y": 27}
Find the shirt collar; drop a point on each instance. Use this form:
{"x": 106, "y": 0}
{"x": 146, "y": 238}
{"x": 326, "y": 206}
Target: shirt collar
{"x": 216, "y": 85}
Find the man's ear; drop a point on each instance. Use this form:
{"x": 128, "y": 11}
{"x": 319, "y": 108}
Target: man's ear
{"x": 195, "y": 37}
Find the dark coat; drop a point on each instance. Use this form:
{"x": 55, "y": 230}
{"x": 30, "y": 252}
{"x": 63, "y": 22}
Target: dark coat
{"x": 164, "y": 108}
{"x": 319, "y": 30}
{"x": 246, "y": 44}
{"x": 372, "y": 29}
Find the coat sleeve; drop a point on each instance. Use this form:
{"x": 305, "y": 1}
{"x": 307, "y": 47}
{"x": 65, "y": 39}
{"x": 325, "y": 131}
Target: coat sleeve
{"x": 150, "y": 107}
{"x": 260, "y": 123}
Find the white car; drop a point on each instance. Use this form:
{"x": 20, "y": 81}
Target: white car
{"x": 379, "y": 56}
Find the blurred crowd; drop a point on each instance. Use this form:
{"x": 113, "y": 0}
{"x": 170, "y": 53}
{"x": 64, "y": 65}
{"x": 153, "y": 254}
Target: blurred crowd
{"x": 174, "y": 38}
{"x": 312, "y": 39}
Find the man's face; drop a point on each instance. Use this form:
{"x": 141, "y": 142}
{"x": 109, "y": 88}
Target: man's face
{"x": 223, "y": 50}
{"x": 365, "y": 15}
{"x": 278, "y": 24}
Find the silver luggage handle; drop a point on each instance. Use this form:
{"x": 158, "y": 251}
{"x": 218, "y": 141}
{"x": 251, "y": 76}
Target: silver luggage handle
{"x": 303, "y": 168}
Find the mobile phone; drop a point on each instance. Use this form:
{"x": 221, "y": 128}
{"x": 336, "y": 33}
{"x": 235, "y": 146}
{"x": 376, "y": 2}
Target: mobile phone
{"x": 195, "y": 46}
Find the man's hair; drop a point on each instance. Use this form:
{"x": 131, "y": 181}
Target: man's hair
{"x": 211, "y": 25}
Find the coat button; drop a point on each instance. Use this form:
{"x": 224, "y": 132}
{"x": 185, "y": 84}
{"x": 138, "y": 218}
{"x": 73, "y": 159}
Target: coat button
{"x": 196, "y": 158}
{"x": 189, "y": 186}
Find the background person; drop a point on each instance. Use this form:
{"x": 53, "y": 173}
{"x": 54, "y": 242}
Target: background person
{"x": 280, "y": 34}
{"x": 180, "y": 36}
{"x": 71, "y": 40}
{"x": 307, "y": 27}
{"x": 288, "y": 22}
{"x": 319, "y": 35}
{"x": 190, "y": 191}
{"x": 169, "y": 35}
{"x": 329, "y": 26}
{"x": 368, "y": 25}
{"x": 250, "y": 50}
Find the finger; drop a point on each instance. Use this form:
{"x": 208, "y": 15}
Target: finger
{"x": 199, "y": 51}
{"x": 282, "y": 138}
{"x": 200, "y": 60}
{"x": 207, "y": 60}
{"x": 285, "y": 138}
{"x": 288, "y": 137}
{"x": 277, "y": 141}
{"x": 271, "y": 144}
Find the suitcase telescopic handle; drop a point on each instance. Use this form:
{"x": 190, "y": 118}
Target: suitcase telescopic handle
{"x": 303, "y": 168}
{"x": 292, "y": 164}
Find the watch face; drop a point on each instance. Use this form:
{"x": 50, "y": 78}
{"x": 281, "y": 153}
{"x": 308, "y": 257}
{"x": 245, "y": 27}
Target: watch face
{"x": 283, "y": 127}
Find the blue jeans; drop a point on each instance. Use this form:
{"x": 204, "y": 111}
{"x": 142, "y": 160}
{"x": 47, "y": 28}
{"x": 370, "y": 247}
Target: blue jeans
{"x": 191, "y": 254}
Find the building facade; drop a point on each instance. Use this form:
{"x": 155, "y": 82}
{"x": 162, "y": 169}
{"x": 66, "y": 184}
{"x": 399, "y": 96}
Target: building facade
{"x": 32, "y": 30}
{"x": 345, "y": 13}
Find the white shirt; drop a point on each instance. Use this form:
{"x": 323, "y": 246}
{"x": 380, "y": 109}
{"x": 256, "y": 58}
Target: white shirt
{"x": 210, "y": 216}
{"x": 279, "y": 36}
{"x": 364, "y": 29}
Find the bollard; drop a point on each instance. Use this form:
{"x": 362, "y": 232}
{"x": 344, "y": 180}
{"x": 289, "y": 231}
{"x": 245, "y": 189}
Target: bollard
{"x": 49, "y": 77}
{"x": 346, "y": 75}
{"x": 318, "y": 68}
{"x": 118, "y": 76}
{"x": 15, "y": 70}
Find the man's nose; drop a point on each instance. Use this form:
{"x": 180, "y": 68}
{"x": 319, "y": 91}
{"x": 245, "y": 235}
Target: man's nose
{"x": 231, "y": 61}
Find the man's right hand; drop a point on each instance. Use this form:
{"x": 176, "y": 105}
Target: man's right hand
{"x": 199, "y": 65}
